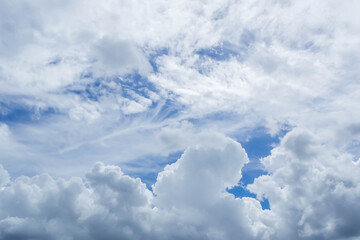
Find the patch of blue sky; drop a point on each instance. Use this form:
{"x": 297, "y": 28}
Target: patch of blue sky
{"x": 12, "y": 112}
{"x": 123, "y": 86}
{"x": 148, "y": 167}
{"x": 154, "y": 55}
{"x": 240, "y": 192}
{"x": 226, "y": 50}
{"x": 138, "y": 84}
{"x": 259, "y": 145}
{"x": 128, "y": 86}
{"x": 221, "y": 52}
{"x": 167, "y": 109}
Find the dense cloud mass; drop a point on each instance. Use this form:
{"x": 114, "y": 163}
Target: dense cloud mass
{"x": 311, "y": 197}
{"x": 189, "y": 201}
{"x": 135, "y": 119}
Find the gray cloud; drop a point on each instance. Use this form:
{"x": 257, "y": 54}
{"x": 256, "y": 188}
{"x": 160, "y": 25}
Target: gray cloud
{"x": 116, "y": 57}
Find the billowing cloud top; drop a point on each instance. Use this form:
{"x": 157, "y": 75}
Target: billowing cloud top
{"x": 199, "y": 119}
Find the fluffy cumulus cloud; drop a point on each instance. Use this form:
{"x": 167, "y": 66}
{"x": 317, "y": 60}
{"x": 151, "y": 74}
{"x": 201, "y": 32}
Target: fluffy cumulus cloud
{"x": 189, "y": 201}
{"x": 312, "y": 193}
{"x": 312, "y": 188}
{"x": 123, "y": 119}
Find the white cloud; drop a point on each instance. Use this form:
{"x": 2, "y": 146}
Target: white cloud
{"x": 272, "y": 52}
{"x": 82, "y": 71}
{"x": 115, "y": 57}
{"x": 312, "y": 194}
{"x": 118, "y": 206}
{"x": 203, "y": 172}
{"x": 311, "y": 188}
{"x": 4, "y": 176}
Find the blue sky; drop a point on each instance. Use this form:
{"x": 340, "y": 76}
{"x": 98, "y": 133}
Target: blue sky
{"x": 179, "y": 120}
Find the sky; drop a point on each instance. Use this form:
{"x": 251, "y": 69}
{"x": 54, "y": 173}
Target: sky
{"x": 185, "y": 119}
